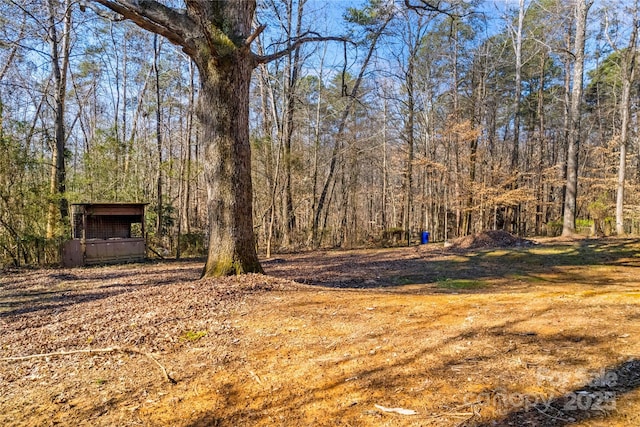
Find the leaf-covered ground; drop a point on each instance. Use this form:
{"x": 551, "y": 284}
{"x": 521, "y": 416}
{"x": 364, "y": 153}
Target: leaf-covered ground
{"x": 540, "y": 335}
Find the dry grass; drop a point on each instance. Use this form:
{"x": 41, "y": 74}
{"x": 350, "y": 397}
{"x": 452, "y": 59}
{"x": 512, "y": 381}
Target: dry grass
{"x": 543, "y": 335}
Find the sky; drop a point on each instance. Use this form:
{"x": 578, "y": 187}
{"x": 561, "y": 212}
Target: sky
{"x": 326, "y": 18}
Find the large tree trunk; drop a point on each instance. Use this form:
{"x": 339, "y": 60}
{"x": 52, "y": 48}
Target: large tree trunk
{"x": 223, "y": 111}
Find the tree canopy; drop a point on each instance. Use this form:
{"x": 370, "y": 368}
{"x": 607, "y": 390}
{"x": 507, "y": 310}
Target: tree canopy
{"x": 267, "y": 126}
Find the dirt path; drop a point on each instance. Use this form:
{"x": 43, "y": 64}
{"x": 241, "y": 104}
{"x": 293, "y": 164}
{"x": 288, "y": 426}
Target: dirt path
{"x": 544, "y": 335}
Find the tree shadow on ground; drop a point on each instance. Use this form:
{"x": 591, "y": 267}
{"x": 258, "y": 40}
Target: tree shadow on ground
{"x": 457, "y": 270}
{"x": 594, "y": 401}
{"x": 47, "y": 290}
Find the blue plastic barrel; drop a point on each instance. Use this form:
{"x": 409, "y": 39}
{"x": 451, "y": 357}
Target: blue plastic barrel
{"x": 425, "y": 237}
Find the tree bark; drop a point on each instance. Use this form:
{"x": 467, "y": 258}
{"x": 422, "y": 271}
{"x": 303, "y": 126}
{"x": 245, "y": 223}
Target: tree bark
{"x": 159, "y": 189}
{"x": 573, "y": 143}
{"x": 540, "y": 208}
{"x": 223, "y": 111}
{"x": 515, "y": 154}
{"x": 186, "y": 206}
{"x": 628, "y": 75}
{"x": 316, "y": 139}
{"x": 409, "y": 129}
{"x": 58, "y": 209}
{"x": 517, "y": 48}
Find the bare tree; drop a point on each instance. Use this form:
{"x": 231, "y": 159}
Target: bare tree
{"x": 292, "y": 69}
{"x": 156, "y": 54}
{"x": 628, "y": 71}
{"x": 374, "y": 36}
{"x": 573, "y": 142}
{"x": 58, "y": 203}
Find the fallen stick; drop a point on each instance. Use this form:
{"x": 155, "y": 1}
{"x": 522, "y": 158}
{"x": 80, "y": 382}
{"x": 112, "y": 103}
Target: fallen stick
{"x": 401, "y": 411}
{"x": 94, "y": 351}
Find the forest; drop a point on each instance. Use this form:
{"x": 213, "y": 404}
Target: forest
{"x": 369, "y": 122}
{"x": 318, "y": 142}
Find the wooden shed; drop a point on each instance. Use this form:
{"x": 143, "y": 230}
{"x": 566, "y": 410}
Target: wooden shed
{"x": 105, "y": 233}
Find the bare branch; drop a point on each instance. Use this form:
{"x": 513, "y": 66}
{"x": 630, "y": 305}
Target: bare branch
{"x": 115, "y": 17}
{"x": 424, "y": 6}
{"x": 14, "y": 49}
{"x": 153, "y": 16}
{"x": 255, "y": 35}
{"x": 295, "y": 43}
{"x": 35, "y": 19}
{"x": 612, "y": 43}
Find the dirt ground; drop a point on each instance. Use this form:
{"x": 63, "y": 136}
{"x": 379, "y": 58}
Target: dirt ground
{"x": 527, "y": 335}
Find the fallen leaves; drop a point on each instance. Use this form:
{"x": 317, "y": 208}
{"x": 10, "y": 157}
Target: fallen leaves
{"x": 260, "y": 350}
{"x": 93, "y": 351}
